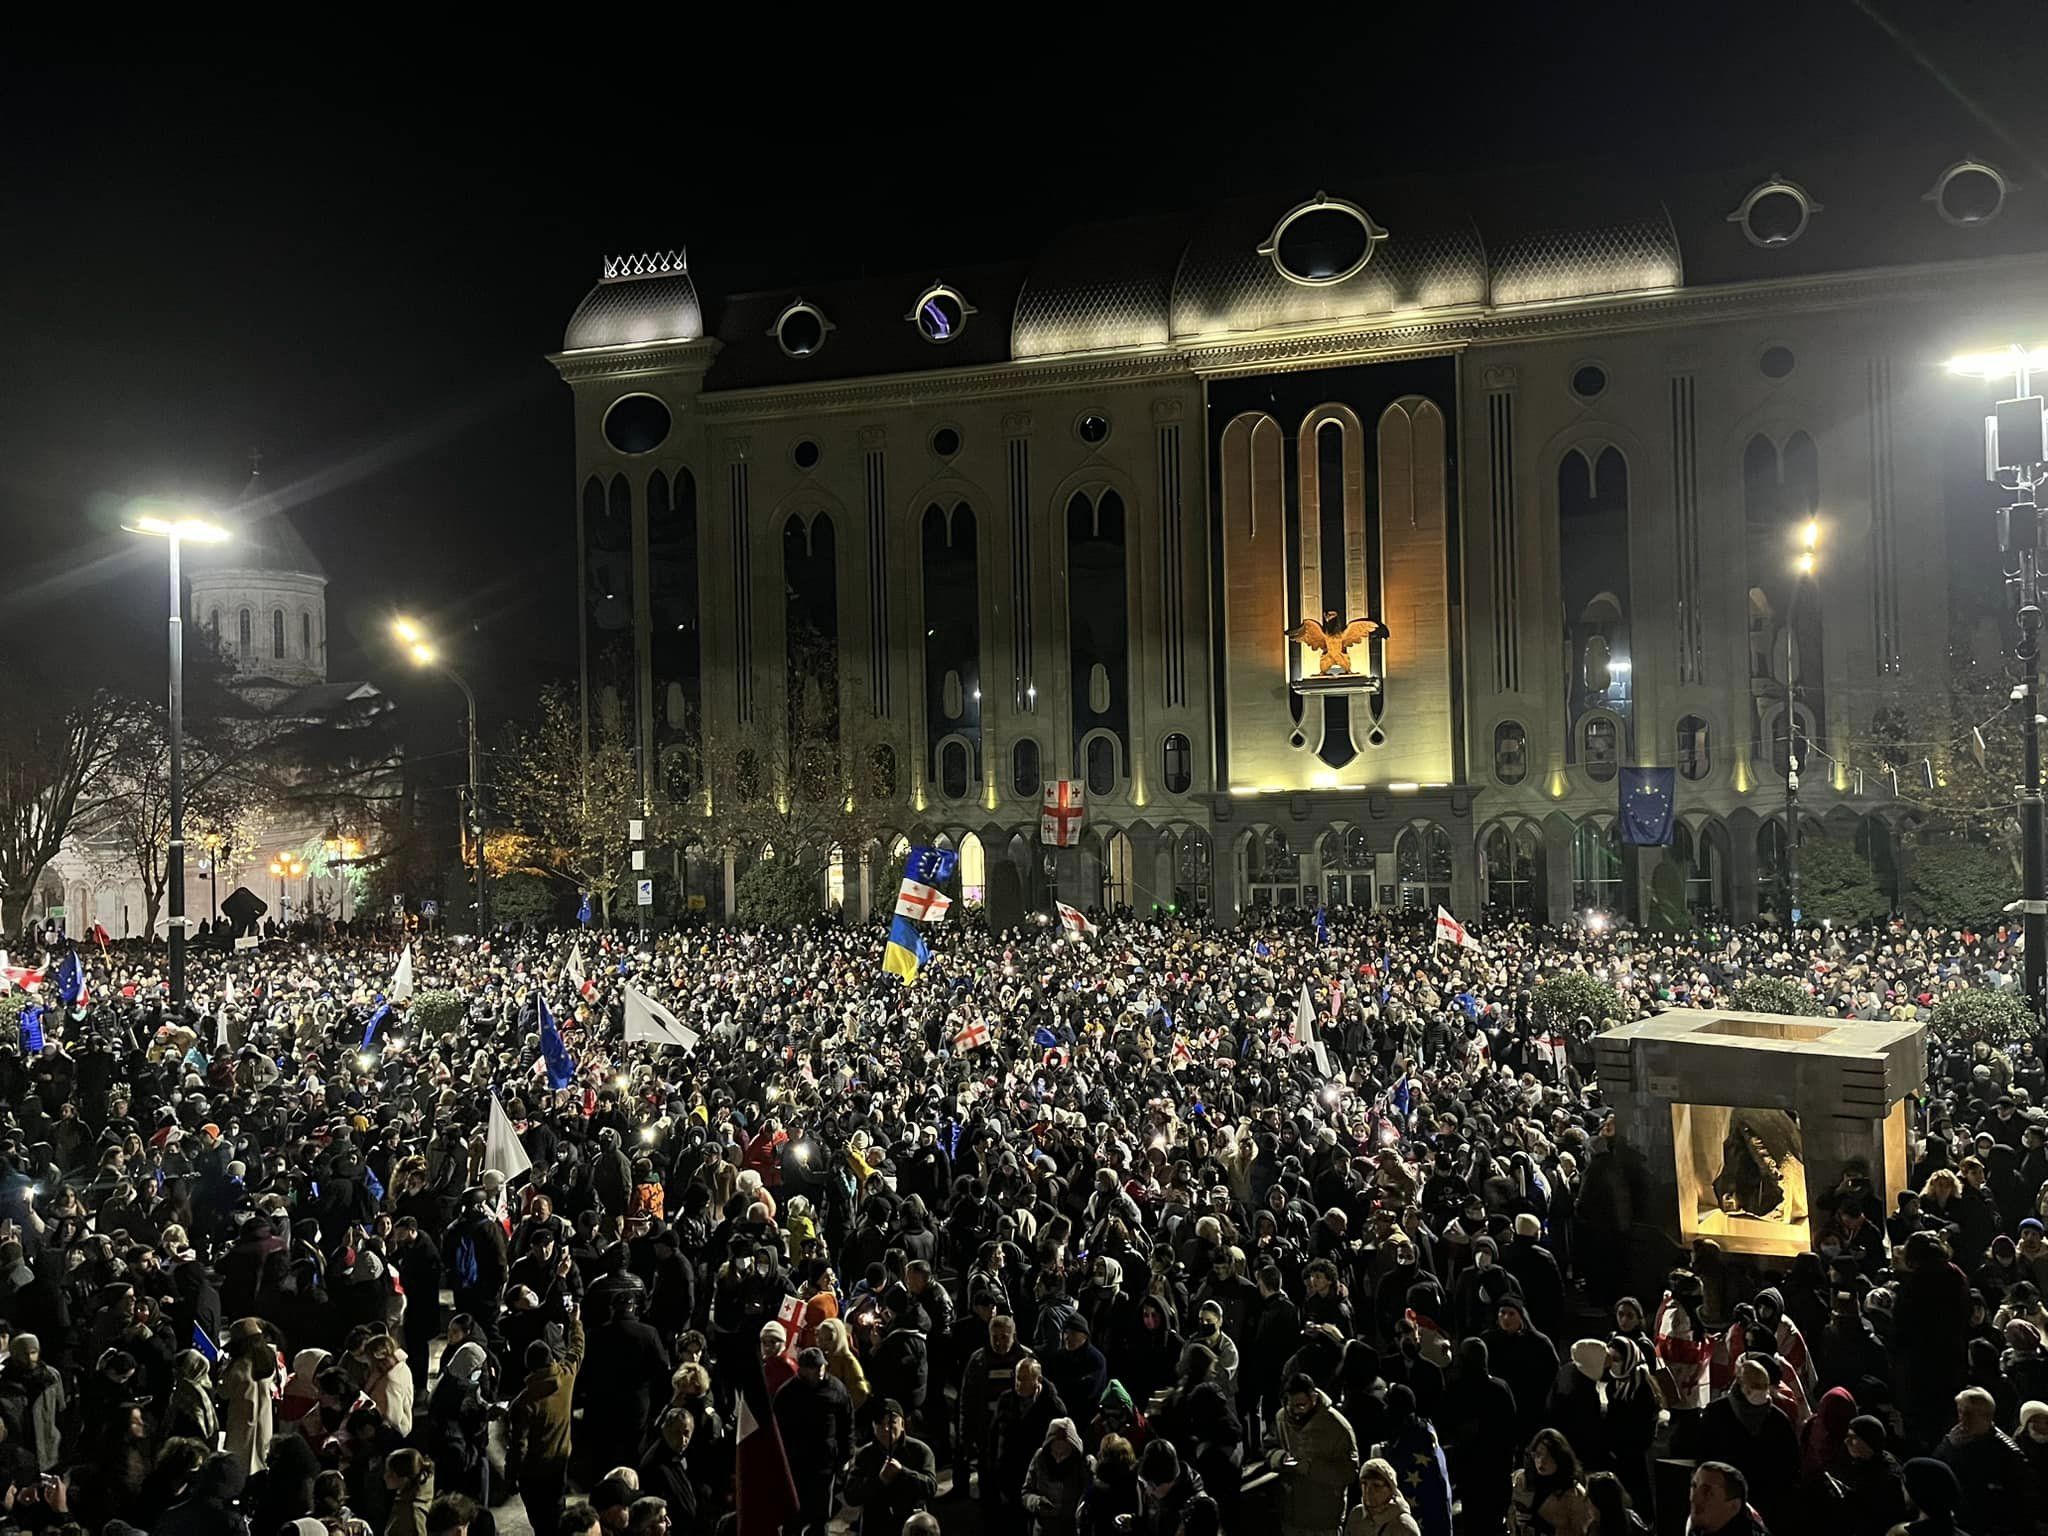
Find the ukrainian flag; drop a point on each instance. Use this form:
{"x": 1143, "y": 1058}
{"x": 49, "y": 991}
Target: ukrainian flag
{"x": 905, "y": 953}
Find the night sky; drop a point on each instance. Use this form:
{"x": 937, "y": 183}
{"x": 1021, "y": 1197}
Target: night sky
{"x": 357, "y": 265}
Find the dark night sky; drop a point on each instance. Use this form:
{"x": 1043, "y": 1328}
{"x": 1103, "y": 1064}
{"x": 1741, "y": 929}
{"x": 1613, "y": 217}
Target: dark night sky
{"x": 357, "y": 265}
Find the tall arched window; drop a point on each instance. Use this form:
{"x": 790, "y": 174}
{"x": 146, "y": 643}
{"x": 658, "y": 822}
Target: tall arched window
{"x": 1596, "y": 867}
{"x": 1191, "y": 870}
{"x": 1512, "y": 869}
{"x": 277, "y": 634}
{"x": 247, "y": 627}
{"x": 1025, "y": 779}
{"x": 1118, "y": 887}
{"x": 1510, "y": 752}
{"x": 1770, "y": 862}
{"x": 1695, "y": 759}
{"x": 1422, "y": 866}
{"x": 953, "y": 769}
{"x": 1179, "y": 764}
{"x": 306, "y": 635}
{"x": 1601, "y": 751}
{"x": 213, "y": 623}
{"x": 1272, "y": 869}
{"x": 1101, "y": 764}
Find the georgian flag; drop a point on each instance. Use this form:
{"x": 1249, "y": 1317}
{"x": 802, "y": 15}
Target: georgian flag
{"x": 1450, "y": 931}
{"x": 22, "y": 976}
{"x": 578, "y": 978}
{"x": 1075, "y": 921}
{"x": 974, "y": 1034}
{"x": 923, "y": 903}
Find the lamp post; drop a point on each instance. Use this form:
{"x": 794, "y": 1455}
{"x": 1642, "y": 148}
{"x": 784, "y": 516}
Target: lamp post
{"x": 174, "y": 531}
{"x": 2016, "y": 460}
{"x": 342, "y": 854}
{"x": 421, "y": 649}
{"x": 286, "y": 866}
{"x": 1809, "y": 540}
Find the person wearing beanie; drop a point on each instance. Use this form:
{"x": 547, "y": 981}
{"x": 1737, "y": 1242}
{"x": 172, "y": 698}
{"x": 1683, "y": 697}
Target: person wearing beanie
{"x": 1937, "y": 1498}
{"x": 1526, "y": 1360}
{"x": 1481, "y": 1288}
{"x": 814, "y": 1411}
{"x": 1577, "y": 1405}
{"x": 1535, "y": 1269}
{"x": 540, "y": 1430}
{"x": 1873, "y": 1488}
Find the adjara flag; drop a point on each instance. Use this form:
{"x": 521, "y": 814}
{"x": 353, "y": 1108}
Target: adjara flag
{"x": 1450, "y": 931}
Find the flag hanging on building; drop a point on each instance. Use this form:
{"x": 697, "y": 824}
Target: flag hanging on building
{"x": 1075, "y": 921}
{"x": 400, "y": 990}
{"x": 553, "y": 1049}
{"x": 905, "y": 954}
{"x": 648, "y": 1020}
{"x": 1648, "y": 798}
{"x": 930, "y": 866}
{"x": 1059, "y": 818}
{"x": 1450, "y": 931}
{"x": 924, "y": 903}
{"x": 503, "y": 1150}
{"x": 763, "y": 1492}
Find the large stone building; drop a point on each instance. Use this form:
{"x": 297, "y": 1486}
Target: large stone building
{"x": 1562, "y": 442}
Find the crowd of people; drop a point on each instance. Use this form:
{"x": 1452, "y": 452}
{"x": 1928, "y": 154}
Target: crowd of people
{"x": 1174, "y": 1229}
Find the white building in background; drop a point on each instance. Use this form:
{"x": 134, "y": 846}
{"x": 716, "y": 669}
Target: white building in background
{"x": 261, "y": 598}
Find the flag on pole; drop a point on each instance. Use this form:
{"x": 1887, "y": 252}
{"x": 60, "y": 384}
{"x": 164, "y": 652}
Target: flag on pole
{"x": 503, "y": 1149}
{"x": 924, "y": 903}
{"x": 1304, "y": 1017}
{"x": 554, "y": 1050}
{"x": 1322, "y": 925}
{"x": 370, "y": 1029}
{"x": 930, "y": 866}
{"x": 1075, "y": 921}
{"x": 203, "y": 1342}
{"x": 72, "y": 991}
{"x": 971, "y": 1036}
{"x": 400, "y": 990}
{"x": 100, "y": 936}
{"x": 578, "y": 977}
{"x": 1450, "y": 931}
{"x": 220, "y": 1025}
{"x": 583, "y": 913}
{"x": 764, "y": 1493}
{"x": 648, "y": 1020}
{"x": 227, "y": 987}
{"x": 905, "y": 953}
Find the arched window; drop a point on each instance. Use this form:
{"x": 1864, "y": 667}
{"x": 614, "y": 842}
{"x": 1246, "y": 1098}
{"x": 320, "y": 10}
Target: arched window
{"x": 1101, "y": 763}
{"x": 1192, "y": 863}
{"x": 1117, "y": 884}
{"x": 1510, "y": 752}
{"x": 953, "y": 770}
{"x": 246, "y": 623}
{"x": 213, "y": 623}
{"x": 1272, "y": 869}
{"x": 1596, "y": 867}
{"x": 973, "y": 871}
{"x": 306, "y": 635}
{"x": 1025, "y": 781}
{"x": 1695, "y": 759}
{"x": 1601, "y": 752}
{"x": 1770, "y": 863}
{"x": 1346, "y": 854}
{"x": 1422, "y": 867}
{"x": 1513, "y": 869}
{"x": 277, "y": 634}
{"x": 1179, "y": 754}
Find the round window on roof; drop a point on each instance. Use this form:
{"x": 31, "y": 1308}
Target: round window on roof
{"x": 1777, "y": 363}
{"x": 1322, "y": 241}
{"x": 636, "y": 424}
{"x": 1589, "y": 381}
{"x": 1092, "y": 429}
{"x": 805, "y": 454}
{"x": 940, "y": 314}
{"x": 800, "y": 329}
{"x": 1969, "y": 192}
{"x": 1775, "y": 213}
{"x": 946, "y": 442}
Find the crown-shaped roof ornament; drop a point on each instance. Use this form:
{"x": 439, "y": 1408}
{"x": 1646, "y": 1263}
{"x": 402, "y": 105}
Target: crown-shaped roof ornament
{"x": 654, "y": 264}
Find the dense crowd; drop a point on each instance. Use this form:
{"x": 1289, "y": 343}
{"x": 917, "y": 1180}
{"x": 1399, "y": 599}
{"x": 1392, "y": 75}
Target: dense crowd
{"x": 1066, "y": 1236}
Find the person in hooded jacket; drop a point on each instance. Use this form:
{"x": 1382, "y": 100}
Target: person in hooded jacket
{"x": 1936, "y": 1496}
{"x": 1056, "y": 1482}
{"x": 455, "y": 1430}
{"x": 1746, "y": 1428}
{"x": 1535, "y": 1268}
{"x": 1480, "y": 1289}
{"x": 1148, "y": 1360}
{"x": 1849, "y": 1352}
{"x": 1577, "y": 1407}
{"x": 1201, "y": 1415}
{"x": 1411, "y": 1445}
{"x": 1631, "y": 1422}
{"x": 1873, "y": 1492}
{"x": 1477, "y": 1420}
{"x": 1527, "y": 1362}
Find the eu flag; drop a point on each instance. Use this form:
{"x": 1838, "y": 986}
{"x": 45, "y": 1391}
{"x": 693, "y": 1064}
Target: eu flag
{"x": 203, "y": 1342}
{"x": 370, "y": 1029}
{"x": 930, "y": 866}
{"x": 1322, "y": 925}
{"x": 583, "y": 912}
{"x": 70, "y": 980}
{"x": 1648, "y": 798}
{"x": 553, "y": 1050}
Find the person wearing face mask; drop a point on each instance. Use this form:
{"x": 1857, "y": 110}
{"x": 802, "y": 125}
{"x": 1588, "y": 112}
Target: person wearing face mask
{"x": 1209, "y": 1332}
{"x": 1631, "y": 1421}
{"x": 1747, "y": 1429}
{"x": 1480, "y": 1289}
{"x": 1873, "y": 1491}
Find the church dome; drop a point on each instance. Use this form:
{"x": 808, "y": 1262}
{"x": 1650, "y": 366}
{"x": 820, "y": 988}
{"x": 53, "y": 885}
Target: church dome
{"x": 638, "y": 300}
{"x": 261, "y": 594}
{"x": 264, "y": 542}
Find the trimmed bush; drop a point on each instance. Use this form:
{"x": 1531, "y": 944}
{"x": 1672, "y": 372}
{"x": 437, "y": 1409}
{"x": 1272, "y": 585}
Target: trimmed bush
{"x": 1559, "y": 1002}
{"x": 1771, "y": 994}
{"x": 1835, "y": 882}
{"x": 1955, "y": 884}
{"x": 438, "y": 1013}
{"x": 778, "y": 893}
{"x": 1980, "y": 1013}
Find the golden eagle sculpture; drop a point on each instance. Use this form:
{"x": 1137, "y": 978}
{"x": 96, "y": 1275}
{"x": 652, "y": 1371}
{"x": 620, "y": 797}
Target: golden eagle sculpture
{"x": 1334, "y": 638}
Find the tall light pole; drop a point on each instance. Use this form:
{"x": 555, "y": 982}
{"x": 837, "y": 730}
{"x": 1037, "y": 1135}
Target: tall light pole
{"x": 342, "y": 854}
{"x": 174, "y": 531}
{"x": 286, "y": 866}
{"x": 1809, "y": 540}
{"x": 421, "y": 649}
{"x": 2016, "y": 459}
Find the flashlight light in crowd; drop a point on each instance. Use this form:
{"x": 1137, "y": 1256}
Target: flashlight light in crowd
{"x": 622, "y": 1081}
{"x": 1332, "y": 1093}
{"x": 803, "y": 1151}
{"x": 648, "y": 1133}
{"x": 1388, "y": 1135}
{"x": 1596, "y": 921}
{"x": 365, "y": 1061}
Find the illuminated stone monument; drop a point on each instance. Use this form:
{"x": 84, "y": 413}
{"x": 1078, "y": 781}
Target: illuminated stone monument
{"x": 1748, "y": 1122}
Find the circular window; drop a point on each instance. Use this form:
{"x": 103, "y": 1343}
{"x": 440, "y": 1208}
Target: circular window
{"x": 1322, "y": 241}
{"x": 1589, "y": 381}
{"x": 940, "y": 314}
{"x": 1092, "y": 429}
{"x": 636, "y": 424}
{"x": 1969, "y": 192}
{"x": 805, "y": 454}
{"x": 1777, "y": 362}
{"x": 946, "y": 442}
{"x": 1774, "y": 213}
{"x": 800, "y": 329}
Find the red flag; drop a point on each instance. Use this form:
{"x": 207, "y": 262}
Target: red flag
{"x": 764, "y": 1491}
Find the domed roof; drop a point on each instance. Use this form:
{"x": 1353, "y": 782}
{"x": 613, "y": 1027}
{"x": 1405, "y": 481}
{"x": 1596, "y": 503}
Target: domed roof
{"x": 264, "y": 541}
{"x": 638, "y": 299}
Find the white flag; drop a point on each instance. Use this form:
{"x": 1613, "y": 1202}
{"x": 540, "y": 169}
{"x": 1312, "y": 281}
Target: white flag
{"x": 1450, "y": 931}
{"x": 502, "y": 1148}
{"x": 401, "y": 979}
{"x": 1305, "y": 1017}
{"x": 227, "y": 987}
{"x": 578, "y": 977}
{"x": 1075, "y": 921}
{"x": 648, "y": 1020}
{"x": 220, "y": 1024}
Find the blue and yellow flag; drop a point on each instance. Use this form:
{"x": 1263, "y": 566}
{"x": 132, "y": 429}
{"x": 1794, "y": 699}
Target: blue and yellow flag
{"x": 905, "y": 954}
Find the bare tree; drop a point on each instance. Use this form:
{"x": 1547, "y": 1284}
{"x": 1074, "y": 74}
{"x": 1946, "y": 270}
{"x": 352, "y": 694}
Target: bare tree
{"x": 566, "y": 813}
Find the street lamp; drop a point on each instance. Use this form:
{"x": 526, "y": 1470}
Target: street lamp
{"x": 174, "y": 531}
{"x": 342, "y": 852}
{"x": 420, "y": 647}
{"x": 2016, "y": 460}
{"x": 1809, "y": 543}
{"x": 286, "y": 866}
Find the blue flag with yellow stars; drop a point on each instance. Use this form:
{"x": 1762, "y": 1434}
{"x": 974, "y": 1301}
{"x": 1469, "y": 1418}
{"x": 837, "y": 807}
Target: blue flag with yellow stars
{"x": 1648, "y": 799}
{"x": 930, "y": 866}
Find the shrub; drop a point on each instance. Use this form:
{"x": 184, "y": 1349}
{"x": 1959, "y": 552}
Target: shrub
{"x": 778, "y": 893}
{"x": 1559, "y": 1002}
{"x": 1771, "y": 994}
{"x": 12, "y": 1005}
{"x": 1835, "y": 882}
{"x": 1980, "y": 1013}
{"x": 438, "y": 1013}
{"x": 887, "y": 881}
{"x": 523, "y": 898}
{"x": 1954, "y": 884}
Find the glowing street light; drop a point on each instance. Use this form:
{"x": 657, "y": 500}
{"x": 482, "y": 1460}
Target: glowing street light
{"x": 419, "y": 645}
{"x": 176, "y": 531}
{"x": 1805, "y": 564}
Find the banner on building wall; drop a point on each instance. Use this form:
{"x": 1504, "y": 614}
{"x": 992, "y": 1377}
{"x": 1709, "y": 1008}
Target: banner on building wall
{"x": 1648, "y": 798}
{"x": 1059, "y": 819}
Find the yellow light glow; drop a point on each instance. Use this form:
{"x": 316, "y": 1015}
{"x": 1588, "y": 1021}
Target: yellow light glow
{"x": 1997, "y": 365}
{"x": 1810, "y": 534}
{"x": 1559, "y": 784}
{"x": 1806, "y": 563}
{"x": 1404, "y": 787}
{"x": 1742, "y": 778}
{"x": 191, "y": 530}
{"x": 407, "y": 631}
{"x": 423, "y": 654}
